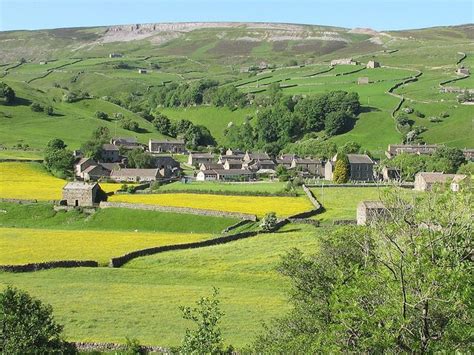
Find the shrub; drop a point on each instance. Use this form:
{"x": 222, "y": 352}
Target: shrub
{"x": 269, "y": 222}
{"x": 341, "y": 170}
{"x": 129, "y": 124}
{"x": 49, "y": 110}
{"x": 419, "y": 114}
{"x": 101, "y": 115}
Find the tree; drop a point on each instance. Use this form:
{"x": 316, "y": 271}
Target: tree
{"x": 101, "y": 115}
{"x": 129, "y": 124}
{"x": 206, "y": 338}
{"x": 269, "y": 222}
{"x": 410, "y": 165}
{"x": 7, "y": 93}
{"x": 341, "y": 170}
{"x": 162, "y": 123}
{"x": 467, "y": 169}
{"x": 137, "y": 158}
{"x": 350, "y": 148}
{"x": 28, "y": 326}
{"x": 454, "y": 156}
{"x": 337, "y": 122}
{"x": 92, "y": 148}
{"x": 282, "y": 173}
{"x": 401, "y": 284}
{"x": 36, "y": 107}
{"x": 57, "y": 159}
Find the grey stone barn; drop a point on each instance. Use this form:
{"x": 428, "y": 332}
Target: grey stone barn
{"x": 368, "y": 211}
{"x": 79, "y": 194}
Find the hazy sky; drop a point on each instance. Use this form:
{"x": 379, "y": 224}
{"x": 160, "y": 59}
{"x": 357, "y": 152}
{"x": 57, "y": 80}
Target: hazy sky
{"x": 377, "y": 14}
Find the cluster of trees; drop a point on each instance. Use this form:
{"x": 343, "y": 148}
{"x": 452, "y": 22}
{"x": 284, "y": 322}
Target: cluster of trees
{"x": 137, "y": 158}
{"x": 194, "y": 135}
{"x": 394, "y": 285}
{"x": 129, "y": 124}
{"x": 37, "y": 107}
{"x": 7, "y": 94}
{"x": 445, "y": 159}
{"x": 58, "y": 159}
{"x": 200, "y": 92}
{"x": 92, "y": 148}
{"x": 287, "y": 119}
{"x": 73, "y": 96}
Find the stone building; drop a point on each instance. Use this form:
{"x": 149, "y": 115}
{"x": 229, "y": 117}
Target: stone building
{"x": 363, "y": 80}
{"x": 361, "y": 167}
{"x": 368, "y": 211}
{"x": 462, "y": 71}
{"x": 372, "y": 64}
{"x": 137, "y": 175}
{"x": 167, "y": 146}
{"x": 197, "y": 159}
{"x": 425, "y": 181}
{"x": 395, "y": 149}
{"x": 390, "y": 174}
{"x": 142, "y": 71}
{"x": 81, "y": 194}
{"x": 110, "y": 153}
{"x": 311, "y": 166}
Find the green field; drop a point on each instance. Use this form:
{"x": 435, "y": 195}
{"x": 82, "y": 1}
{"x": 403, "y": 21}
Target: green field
{"x": 141, "y": 300}
{"x": 266, "y": 187}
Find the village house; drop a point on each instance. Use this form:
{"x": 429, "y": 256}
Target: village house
{"x": 223, "y": 158}
{"x": 390, "y": 174}
{"x": 462, "y": 71}
{"x": 425, "y": 181}
{"x": 82, "y": 165}
{"x": 363, "y": 80}
{"x": 110, "y": 153}
{"x": 166, "y": 162}
{"x": 167, "y": 146}
{"x": 468, "y": 154}
{"x": 95, "y": 172}
{"x": 196, "y": 159}
{"x": 395, "y": 149}
{"x": 286, "y": 160}
{"x": 372, "y": 64}
{"x": 230, "y": 164}
{"x": 88, "y": 169}
{"x": 249, "y": 156}
{"x": 312, "y": 166}
{"x": 136, "y": 175}
{"x": 126, "y": 142}
{"x": 361, "y": 167}
{"x": 206, "y": 175}
{"x": 263, "y": 164}
{"x": 142, "y": 71}
{"x": 234, "y": 152}
{"x": 368, "y": 211}
{"x": 81, "y": 194}
{"x": 210, "y": 166}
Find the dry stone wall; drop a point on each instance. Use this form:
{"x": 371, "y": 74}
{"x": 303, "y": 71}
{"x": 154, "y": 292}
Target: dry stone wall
{"x": 187, "y": 210}
{"x": 49, "y": 265}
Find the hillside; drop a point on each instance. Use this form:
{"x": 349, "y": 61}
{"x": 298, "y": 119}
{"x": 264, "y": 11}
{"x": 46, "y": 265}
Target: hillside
{"x": 59, "y": 61}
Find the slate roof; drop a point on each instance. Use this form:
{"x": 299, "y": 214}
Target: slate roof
{"x": 108, "y": 146}
{"x": 126, "y": 172}
{"x": 79, "y": 185}
{"x": 441, "y": 177}
{"x": 359, "y": 159}
{"x": 174, "y": 141}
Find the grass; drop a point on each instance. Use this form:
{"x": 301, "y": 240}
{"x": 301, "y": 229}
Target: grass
{"x": 19, "y": 154}
{"x": 341, "y": 202}
{"x": 39, "y": 245}
{"x": 258, "y": 205}
{"x": 42, "y": 215}
{"x": 31, "y": 181}
{"x": 141, "y": 300}
{"x": 257, "y": 187}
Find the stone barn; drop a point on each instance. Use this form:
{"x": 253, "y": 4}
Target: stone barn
{"x": 81, "y": 194}
{"x": 368, "y": 211}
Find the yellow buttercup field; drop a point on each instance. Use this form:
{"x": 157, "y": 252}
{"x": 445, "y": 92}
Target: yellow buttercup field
{"x": 31, "y": 181}
{"x": 258, "y": 205}
{"x": 39, "y": 245}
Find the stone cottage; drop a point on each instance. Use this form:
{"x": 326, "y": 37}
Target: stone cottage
{"x": 361, "y": 167}
{"x": 425, "y": 181}
{"x": 167, "y": 146}
{"x": 368, "y": 211}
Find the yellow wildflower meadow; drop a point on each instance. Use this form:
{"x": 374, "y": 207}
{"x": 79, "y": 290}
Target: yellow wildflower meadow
{"x": 28, "y": 245}
{"x": 31, "y": 181}
{"x": 258, "y": 205}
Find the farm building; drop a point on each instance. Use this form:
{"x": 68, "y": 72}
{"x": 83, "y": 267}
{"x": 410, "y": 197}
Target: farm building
{"x": 136, "y": 175}
{"x": 368, "y": 211}
{"x": 115, "y": 55}
{"x": 462, "y": 71}
{"x": 197, "y": 159}
{"x": 312, "y": 166}
{"x": 343, "y": 61}
{"x": 43, "y": 62}
{"x": 396, "y": 149}
{"x": 390, "y": 174}
{"x": 363, "y": 80}
{"x": 126, "y": 142}
{"x": 361, "y": 167}
{"x": 425, "y": 181}
{"x": 142, "y": 71}
{"x": 110, "y": 153}
{"x": 372, "y": 64}
{"x": 167, "y": 146}
{"x": 206, "y": 175}
{"x": 81, "y": 194}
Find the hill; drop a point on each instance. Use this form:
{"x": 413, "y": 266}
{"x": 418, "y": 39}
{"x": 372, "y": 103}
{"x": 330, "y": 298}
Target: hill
{"x": 43, "y": 66}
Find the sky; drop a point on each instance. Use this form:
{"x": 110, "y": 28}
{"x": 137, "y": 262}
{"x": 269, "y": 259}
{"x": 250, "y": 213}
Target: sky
{"x": 376, "y": 14}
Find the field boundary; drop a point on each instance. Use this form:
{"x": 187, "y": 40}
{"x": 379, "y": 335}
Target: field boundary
{"x": 186, "y": 210}
{"x": 49, "y": 265}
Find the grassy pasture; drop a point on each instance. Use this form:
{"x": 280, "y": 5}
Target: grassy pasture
{"x": 42, "y": 215}
{"x": 258, "y": 205}
{"x": 30, "y": 245}
{"x": 141, "y": 300}
{"x": 32, "y": 181}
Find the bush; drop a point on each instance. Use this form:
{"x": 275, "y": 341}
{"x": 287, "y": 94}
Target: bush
{"x": 101, "y": 115}
{"x": 419, "y": 114}
{"x": 269, "y": 222}
{"x": 129, "y": 124}
{"x": 36, "y": 107}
